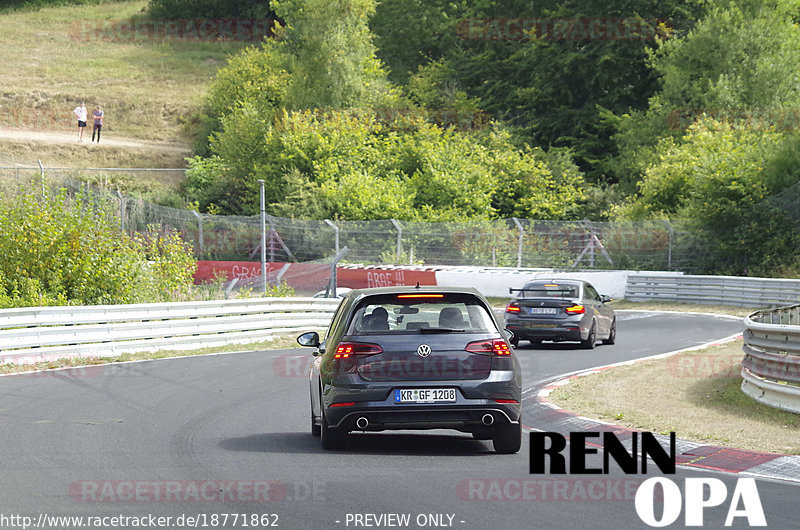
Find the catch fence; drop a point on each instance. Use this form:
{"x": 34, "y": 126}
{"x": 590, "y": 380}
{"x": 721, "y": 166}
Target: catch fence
{"x": 643, "y": 245}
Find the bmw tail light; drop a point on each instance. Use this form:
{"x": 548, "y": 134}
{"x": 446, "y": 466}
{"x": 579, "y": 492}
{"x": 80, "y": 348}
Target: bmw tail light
{"x": 351, "y": 349}
{"x": 576, "y": 309}
{"x": 492, "y": 346}
{"x": 512, "y": 308}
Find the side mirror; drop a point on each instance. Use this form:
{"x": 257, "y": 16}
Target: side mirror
{"x": 310, "y": 339}
{"x": 605, "y": 298}
{"x": 509, "y": 334}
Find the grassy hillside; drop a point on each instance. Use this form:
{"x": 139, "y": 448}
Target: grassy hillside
{"x": 148, "y": 88}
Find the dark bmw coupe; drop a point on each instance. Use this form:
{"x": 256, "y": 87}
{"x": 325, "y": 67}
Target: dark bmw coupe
{"x": 561, "y": 310}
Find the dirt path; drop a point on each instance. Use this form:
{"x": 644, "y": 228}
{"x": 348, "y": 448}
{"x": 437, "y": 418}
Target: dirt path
{"x": 71, "y": 138}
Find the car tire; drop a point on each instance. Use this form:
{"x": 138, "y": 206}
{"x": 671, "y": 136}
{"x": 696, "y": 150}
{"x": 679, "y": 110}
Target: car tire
{"x": 507, "y": 438}
{"x": 591, "y": 340}
{"x": 332, "y": 438}
{"x": 612, "y": 334}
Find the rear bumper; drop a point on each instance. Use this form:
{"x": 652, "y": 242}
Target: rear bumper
{"x": 565, "y": 332}
{"x": 474, "y": 399}
{"x": 419, "y": 417}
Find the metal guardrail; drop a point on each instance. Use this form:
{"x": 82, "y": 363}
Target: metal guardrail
{"x": 771, "y": 365}
{"x": 48, "y": 333}
{"x": 700, "y": 289}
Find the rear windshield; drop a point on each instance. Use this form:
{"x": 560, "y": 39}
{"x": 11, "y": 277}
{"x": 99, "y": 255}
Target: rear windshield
{"x": 549, "y": 290}
{"x": 395, "y": 314}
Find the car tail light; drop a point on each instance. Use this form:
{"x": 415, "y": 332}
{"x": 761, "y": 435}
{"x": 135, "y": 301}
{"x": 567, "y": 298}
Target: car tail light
{"x": 344, "y": 404}
{"x": 512, "y": 308}
{"x": 350, "y": 349}
{"x": 493, "y": 346}
{"x": 576, "y": 309}
{"x": 507, "y": 401}
{"x": 428, "y": 295}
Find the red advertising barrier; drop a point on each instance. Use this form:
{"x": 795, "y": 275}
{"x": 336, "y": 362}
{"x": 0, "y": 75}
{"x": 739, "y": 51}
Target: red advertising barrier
{"x": 384, "y": 277}
{"x": 314, "y": 276}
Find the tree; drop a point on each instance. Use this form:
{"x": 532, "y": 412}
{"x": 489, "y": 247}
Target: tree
{"x": 739, "y": 63}
{"x": 719, "y": 180}
{"x": 330, "y": 52}
{"x": 553, "y": 89}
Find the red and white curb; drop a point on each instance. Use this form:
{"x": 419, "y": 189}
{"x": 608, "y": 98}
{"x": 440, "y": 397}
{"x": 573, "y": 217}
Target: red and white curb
{"x": 688, "y": 454}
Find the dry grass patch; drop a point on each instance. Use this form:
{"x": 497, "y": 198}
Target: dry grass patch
{"x": 86, "y": 154}
{"x": 696, "y": 394}
{"x": 149, "y": 88}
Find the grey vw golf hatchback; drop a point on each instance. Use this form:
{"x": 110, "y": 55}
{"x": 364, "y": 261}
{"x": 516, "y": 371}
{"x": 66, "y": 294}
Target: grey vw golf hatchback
{"x": 415, "y": 358}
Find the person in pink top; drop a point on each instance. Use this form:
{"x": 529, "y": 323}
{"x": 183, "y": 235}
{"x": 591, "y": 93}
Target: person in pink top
{"x": 80, "y": 112}
{"x": 98, "y": 122}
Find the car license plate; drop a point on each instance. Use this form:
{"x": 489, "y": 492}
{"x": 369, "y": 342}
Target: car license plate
{"x": 543, "y": 310}
{"x": 425, "y": 395}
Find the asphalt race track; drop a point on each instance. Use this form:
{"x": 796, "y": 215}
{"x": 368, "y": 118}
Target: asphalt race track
{"x": 228, "y": 436}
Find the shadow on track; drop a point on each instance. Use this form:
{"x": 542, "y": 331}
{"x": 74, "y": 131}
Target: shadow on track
{"x": 361, "y": 443}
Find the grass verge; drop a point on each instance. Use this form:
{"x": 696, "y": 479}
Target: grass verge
{"x": 149, "y": 87}
{"x": 705, "y": 403}
{"x": 276, "y": 343}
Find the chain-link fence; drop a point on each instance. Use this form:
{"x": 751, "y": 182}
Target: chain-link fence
{"x": 652, "y": 245}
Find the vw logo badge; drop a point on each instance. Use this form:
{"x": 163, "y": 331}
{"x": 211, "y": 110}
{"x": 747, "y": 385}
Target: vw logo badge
{"x": 424, "y": 350}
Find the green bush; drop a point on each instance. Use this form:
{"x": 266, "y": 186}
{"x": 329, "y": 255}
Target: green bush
{"x": 351, "y": 165}
{"x": 70, "y": 250}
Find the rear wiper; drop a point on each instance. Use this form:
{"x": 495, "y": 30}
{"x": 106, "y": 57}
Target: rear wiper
{"x": 441, "y": 330}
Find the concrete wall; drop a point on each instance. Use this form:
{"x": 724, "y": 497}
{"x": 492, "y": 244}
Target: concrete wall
{"x": 496, "y": 282}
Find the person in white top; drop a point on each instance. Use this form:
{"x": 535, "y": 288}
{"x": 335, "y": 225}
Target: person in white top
{"x": 81, "y": 112}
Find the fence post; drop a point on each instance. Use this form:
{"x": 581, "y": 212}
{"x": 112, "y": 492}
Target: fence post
{"x": 200, "y": 239}
{"x": 334, "y": 280}
{"x": 336, "y": 234}
{"x": 263, "y": 239}
{"x": 669, "y": 248}
{"x": 121, "y": 210}
{"x": 399, "y": 229}
{"x": 519, "y": 241}
{"x": 44, "y": 190}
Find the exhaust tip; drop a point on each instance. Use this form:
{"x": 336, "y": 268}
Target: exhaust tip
{"x": 487, "y": 419}
{"x": 362, "y": 423}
